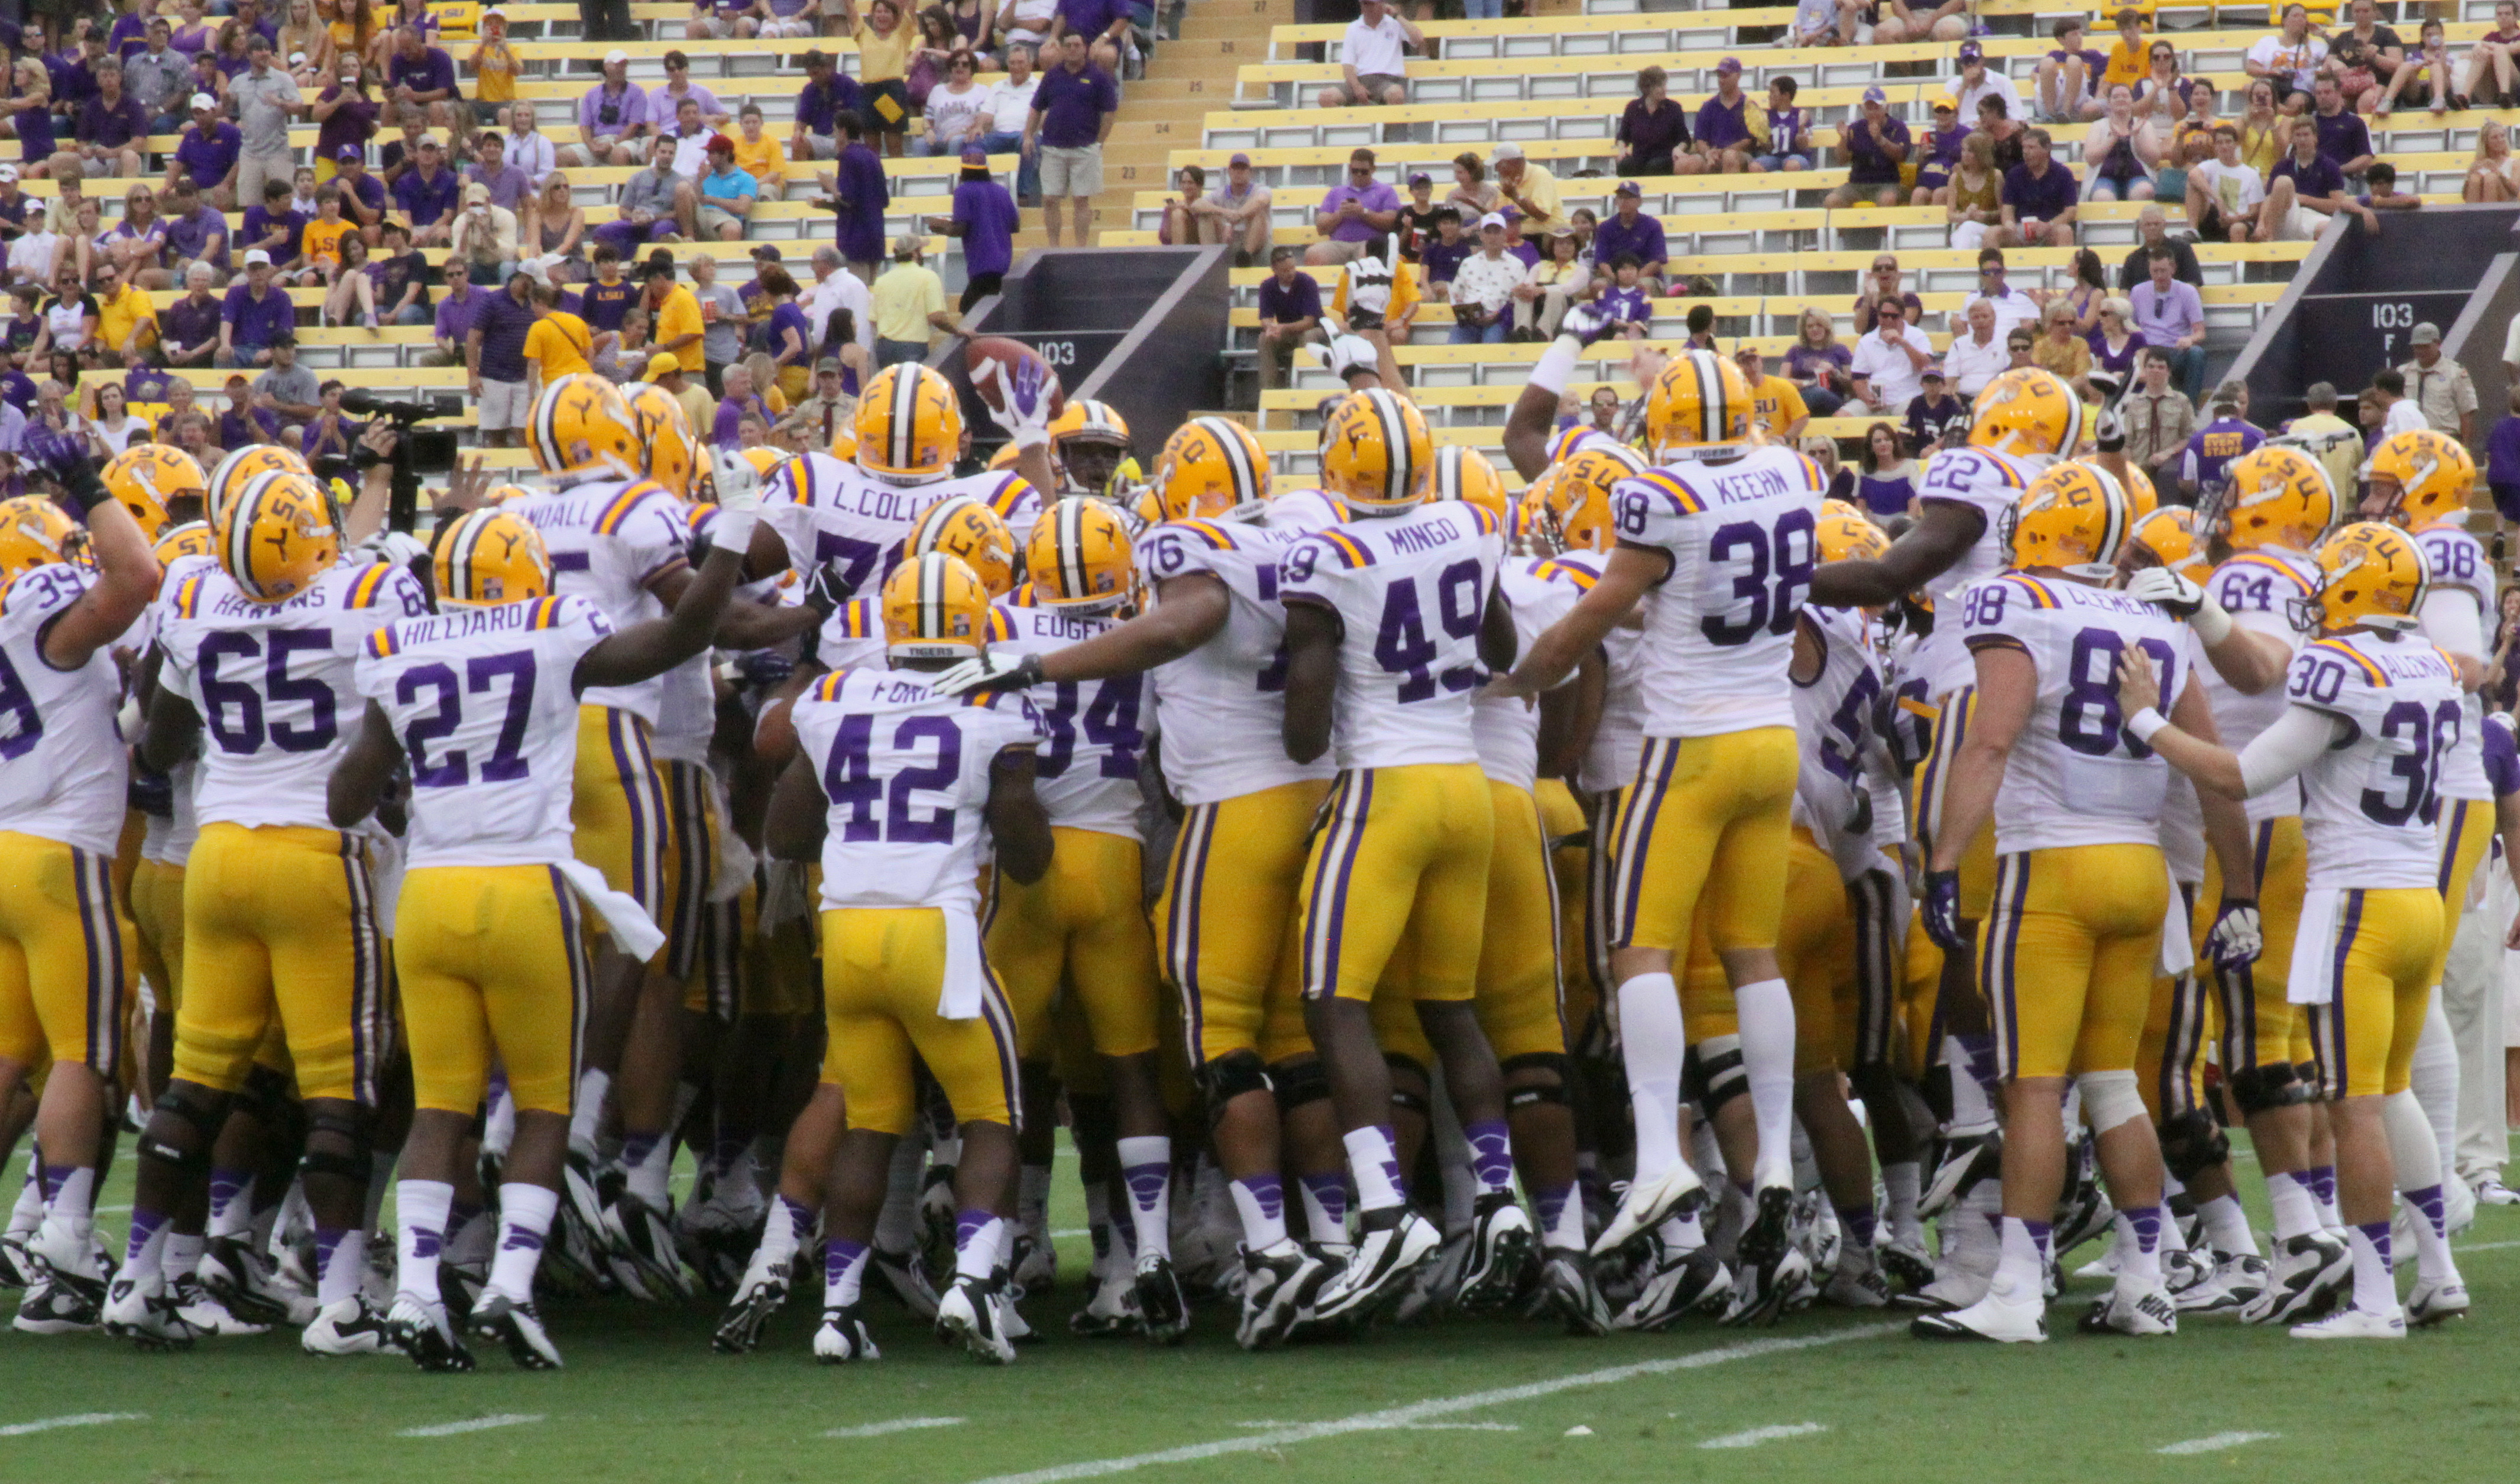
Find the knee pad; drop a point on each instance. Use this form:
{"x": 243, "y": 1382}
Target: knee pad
{"x": 1877, "y": 1084}
{"x": 1712, "y": 1074}
{"x": 1549, "y": 1065}
{"x": 1229, "y": 1077}
{"x": 2265, "y": 1089}
{"x": 2109, "y": 1098}
{"x": 203, "y": 1122}
{"x": 1297, "y": 1083}
{"x": 2193, "y": 1143}
{"x": 354, "y": 1165}
{"x": 266, "y": 1094}
{"x": 1404, "y": 1095}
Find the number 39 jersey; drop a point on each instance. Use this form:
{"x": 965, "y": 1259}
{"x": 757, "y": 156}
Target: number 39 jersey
{"x": 2076, "y": 776}
{"x": 62, "y": 771}
{"x": 1224, "y": 703}
{"x": 275, "y": 685}
{"x": 483, "y": 703}
{"x": 1095, "y": 731}
{"x": 2459, "y": 567}
{"x": 907, "y": 774}
{"x": 2259, "y": 589}
{"x": 1410, "y": 591}
{"x": 2370, "y": 802}
{"x": 1720, "y": 628}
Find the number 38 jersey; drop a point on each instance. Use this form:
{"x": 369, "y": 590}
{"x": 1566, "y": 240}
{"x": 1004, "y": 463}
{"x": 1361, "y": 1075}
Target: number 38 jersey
{"x": 907, "y": 774}
{"x": 2369, "y": 803}
{"x": 1720, "y": 627}
{"x": 1224, "y": 703}
{"x": 2076, "y": 776}
{"x": 62, "y": 771}
{"x": 274, "y": 686}
{"x": 485, "y": 705}
{"x": 2460, "y": 569}
{"x": 1094, "y": 731}
{"x": 1410, "y": 591}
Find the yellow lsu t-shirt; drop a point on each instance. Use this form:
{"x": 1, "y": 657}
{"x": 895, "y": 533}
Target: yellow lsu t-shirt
{"x": 560, "y": 344}
{"x": 322, "y": 240}
{"x": 765, "y": 161}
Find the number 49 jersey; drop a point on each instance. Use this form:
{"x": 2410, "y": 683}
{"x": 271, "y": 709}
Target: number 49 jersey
{"x": 1224, "y": 703}
{"x": 2076, "y": 776}
{"x": 1410, "y": 591}
{"x": 2369, "y": 803}
{"x": 62, "y": 771}
{"x": 483, "y": 703}
{"x": 274, "y": 685}
{"x": 1720, "y": 628}
{"x": 1095, "y": 730}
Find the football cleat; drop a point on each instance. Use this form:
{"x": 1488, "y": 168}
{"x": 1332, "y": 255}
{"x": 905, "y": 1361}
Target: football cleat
{"x": 968, "y": 1316}
{"x": 1393, "y": 1242}
{"x": 1564, "y": 1288}
{"x": 938, "y": 1215}
{"x": 1163, "y": 1310}
{"x": 13, "y": 1263}
{"x": 1277, "y": 1288}
{"x": 1036, "y": 1267}
{"x": 2133, "y": 1308}
{"x": 1501, "y": 1246}
{"x": 2237, "y": 1278}
{"x": 842, "y": 1337}
{"x": 759, "y": 1295}
{"x": 53, "y": 1307}
{"x": 2489, "y": 1190}
{"x": 1112, "y": 1308}
{"x": 144, "y": 1313}
{"x": 1988, "y": 1318}
{"x": 1859, "y": 1282}
{"x": 2351, "y": 1324}
{"x": 2184, "y": 1271}
{"x": 1431, "y": 1287}
{"x": 247, "y": 1285}
{"x": 1762, "y": 1291}
{"x": 420, "y": 1328}
{"x": 715, "y": 1239}
{"x": 1011, "y": 1317}
{"x": 1676, "y": 1283}
{"x": 907, "y": 1281}
{"x": 2083, "y": 1214}
{"x": 2433, "y": 1302}
{"x": 1960, "y": 1161}
{"x": 1905, "y": 1263}
{"x": 2306, "y": 1278}
{"x": 346, "y": 1327}
{"x": 576, "y": 1254}
{"x": 206, "y": 1313}
{"x": 1647, "y": 1205}
{"x": 645, "y": 1258}
{"x": 520, "y": 1327}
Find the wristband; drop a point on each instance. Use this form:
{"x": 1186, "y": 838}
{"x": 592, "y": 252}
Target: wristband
{"x": 2211, "y": 621}
{"x": 82, "y": 488}
{"x": 1557, "y": 365}
{"x": 2144, "y": 724}
{"x": 733, "y": 530}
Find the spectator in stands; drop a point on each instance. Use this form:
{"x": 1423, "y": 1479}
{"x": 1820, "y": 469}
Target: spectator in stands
{"x": 1818, "y": 364}
{"x": 494, "y": 359}
{"x": 1238, "y": 214}
{"x": 494, "y": 71}
{"x": 613, "y": 118}
{"x": 2131, "y": 57}
{"x": 857, "y": 194}
{"x": 1472, "y": 192}
{"x": 160, "y": 78}
{"x": 332, "y": 434}
{"x": 2068, "y": 78}
{"x": 1885, "y": 284}
{"x": 1976, "y": 355}
{"x": 424, "y": 74}
{"x": 243, "y": 423}
{"x": 1528, "y": 188}
{"x": 2003, "y": 133}
{"x": 1103, "y": 24}
{"x": 429, "y": 194}
{"x": 2290, "y": 59}
{"x": 622, "y": 352}
{"x": 1655, "y": 130}
{"x": 2427, "y": 70}
{"x": 1442, "y": 254}
{"x": 657, "y": 206}
{"x": 725, "y": 195}
{"x": 2215, "y": 445}
{"x": 758, "y": 154}
{"x": 1011, "y": 103}
{"x": 1775, "y": 402}
{"x": 137, "y": 244}
{"x": 1924, "y": 20}
{"x": 264, "y": 99}
{"x": 29, "y": 115}
{"x": 113, "y": 126}
{"x": 2158, "y": 419}
{"x": 1483, "y": 287}
{"x": 552, "y": 225}
{"x": 690, "y": 140}
{"x": 508, "y": 187}
{"x": 719, "y": 20}
{"x": 2013, "y": 306}
{"x": 1548, "y": 288}
{"x": 1729, "y": 126}
{"x": 2116, "y": 343}
{"x": 2335, "y": 443}
{"x": 401, "y": 278}
{"x": 2171, "y": 317}
{"x": 2305, "y": 190}
{"x": 1890, "y": 361}
{"x": 1876, "y": 144}
{"x": 2489, "y": 173}
{"x": 722, "y": 318}
{"x": 2152, "y": 230}
{"x": 1976, "y": 83}
{"x": 678, "y": 89}
{"x": 2063, "y": 351}
{"x": 1072, "y": 114}
{"x": 126, "y": 325}
{"x": 484, "y": 235}
{"x": 1621, "y": 301}
{"x": 787, "y": 334}
{"x": 1629, "y": 230}
{"x": 1885, "y": 481}
{"x": 2162, "y": 95}
{"x": 885, "y": 39}
{"x": 2040, "y": 200}
{"x": 1788, "y": 144}
{"x": 1290, "y": 313}
{"x": 2364, "y": 57}
{"x": 958, "y": 110}
{"x": 2492, "y": 77}
{"x": 2225, "y": 194}
{"x": 609, "y": 298}
{"x": 838, "y": 297}
{"x": 1936, "y": 414}
{"x": 2344, "y": 140}
{"x": 188, "y": 329}
{"x": 827, "y": 94}
{"x": 1818, "y": 22}
{"x": 1974, "y": 202}
{"x": 256, "y": 311}
{"x": 2442, "y": 393}
{"x": 195, "y": 233}
{"x": 1353, "y": 213}
{"x": 984, "y": 217}
{"x": 675, "y": 321}
{"x": 560, "y": 344}
{"x": 276, "y": 229}
{"x": 363, "y": 196}
{"x": 909, "y": 307}
{"x": 741, "y": 404}
{"x": 2120, "y": 153}
{"x": 1026, "y": 22}
{"x": 288, "y": 391}
{"x": 1937, "y": 154}
{"x": 823, "y": 416}
{"x": 528, "y": 147}
{"x": 1372, "y": 60}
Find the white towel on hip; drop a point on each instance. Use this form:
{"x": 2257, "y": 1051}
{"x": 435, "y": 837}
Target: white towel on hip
{"x": 2312, "y": 977}
{"x": 2177, "y": 955}
{"x": 966, "y": 968}
{"x": 634, "y": 933}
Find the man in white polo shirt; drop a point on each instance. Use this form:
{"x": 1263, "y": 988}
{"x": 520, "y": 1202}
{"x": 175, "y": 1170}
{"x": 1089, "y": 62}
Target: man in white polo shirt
{"x": 1373, "y": 66}
{"x": 1890, "y": 361}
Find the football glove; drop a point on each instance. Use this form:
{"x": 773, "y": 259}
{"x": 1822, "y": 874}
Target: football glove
{"x": 1943, "y": 910}
{"x": 2236, "y": 937}
{"x": 2183, "y": 597}
{"x": 989, "y": 672}
{"x": 1023, "y": 397}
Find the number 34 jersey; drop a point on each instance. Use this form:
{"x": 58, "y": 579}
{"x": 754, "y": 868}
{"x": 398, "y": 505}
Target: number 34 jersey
{"x": 485, "y": 705}
{"x": 1410, "y": 591}
{"x": 907, "y": 774}
{"x": 274, "y": 685}
{"x": 2076, "y": 776}
{"x": 2368, "y": 802}
{"x": 1094, "y": 731}
{"x": 1719, "y": 633}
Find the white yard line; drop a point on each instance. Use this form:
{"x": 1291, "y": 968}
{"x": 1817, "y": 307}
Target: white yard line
{"x": 897, "y": 1425}
{"x": 1417, "y": 1426}
{"x": 74, "y": 1420}
{"x": 2217, "y": 1442}
{"x": 1757, "y": 1435}
{"x": 2486, "y": 1247}
{"x": 1395, "y": 1417}
{"x": 472, "y": 1425}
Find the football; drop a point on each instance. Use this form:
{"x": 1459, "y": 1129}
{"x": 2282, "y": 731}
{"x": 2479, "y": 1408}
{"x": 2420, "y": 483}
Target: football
{"x": 1010, "y": 353}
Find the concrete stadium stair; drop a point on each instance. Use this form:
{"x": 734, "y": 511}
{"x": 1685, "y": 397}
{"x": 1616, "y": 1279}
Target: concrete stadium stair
{"x": 1165, "y": 110}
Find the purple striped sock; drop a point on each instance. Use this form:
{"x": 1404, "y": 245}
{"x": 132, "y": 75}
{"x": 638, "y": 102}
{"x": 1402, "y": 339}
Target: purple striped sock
{"x": 2044, "y": 1233}
{"x": 2429, "y": 1201}
{"x": 1266, "y": 1193}
{"x": 50, "y": 1177}
{"x": 2145, "y": 1221}
{"x": 635, "y": 1147}
{"x": 1491, "y": 1154}
{"x": 1981, "y": 1059}
{"x": 1859, "y": 1223}
{"x": 968, "y": 1225}
{"x": 800, "y": 1219}
{"x": 1552, "y": 1205}
{"x": 837, "y": 1255}
{"x": 2376, "y": 1233}
{"x": 1329, "y": 1192}
{"x": 2322, "y": 1180}
{"x": 226, "y": 1187}
{"x": 1145, "y": 1183}
{"x": 144, "y": 1226}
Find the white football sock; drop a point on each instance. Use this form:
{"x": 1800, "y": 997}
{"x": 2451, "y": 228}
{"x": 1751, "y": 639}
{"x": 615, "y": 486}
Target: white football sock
{"x": 2375, "y": 1289}
{"x": 231, "y": 1204}
{"x": 587, "y": 1116}
{"x": 2435, "y": 1089}
{"x": 1651, "y": 1042}
{"x": 2226, "y": 1227}
{"x": 1147, "y": 1174}
{"x": 1260, "y": 1200}
{"x": 420, "y": 1208}
{"x": 183, "y": 1255}
{"x": 2295, "y": 1209}
{"x": 2021, "y": 1271}
{"x": 1766, "y": 1010}
{"x": 524, "y": 1220}
{"x": 341, "y": 1265}
{"x": 29, "y": 1213}
{"x": 844, "y": 1272}
{"x": 1971, "y": 1112}
{"x": 1376, "y": 1166}
{"x": 1903, "y": 1183}
{"x": 71, "y": 1215}
{"x": 975, "y": 1253}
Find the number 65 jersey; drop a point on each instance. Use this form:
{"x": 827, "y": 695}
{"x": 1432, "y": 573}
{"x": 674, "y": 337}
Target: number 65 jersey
{"x": 2369, "y": 801}
{"x": 2076, "y": 776}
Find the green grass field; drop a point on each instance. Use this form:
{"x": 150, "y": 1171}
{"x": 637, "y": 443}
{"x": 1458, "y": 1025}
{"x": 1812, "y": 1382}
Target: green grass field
{"x": 1826, "y": 1396}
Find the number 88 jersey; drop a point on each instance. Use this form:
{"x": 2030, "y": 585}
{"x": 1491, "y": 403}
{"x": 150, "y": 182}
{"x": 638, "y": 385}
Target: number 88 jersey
{"x": 2370, "y": 802}
{"x": 2076, "y": 776}
{"x": 1720, "y": 627}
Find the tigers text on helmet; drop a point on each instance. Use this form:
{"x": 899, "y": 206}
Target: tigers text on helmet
{"x": 2027, "y": 412}
{"x": 2369, "y": 574}
{"x": 1212, "y": 469}
{"x": 1081, "y": 557}
{"x": 935, "y": 608}
{"x": 582, "y": 429}
{"x": 2074, "y": 518}
{"x": 2420, "y": 477}
{"x": 488, "y": 556}
{"x": 909, "y": 423}
{"x": 1375, "y": 452}
{"x": 2272, "y": 496}
{"x": 277, "y": 537}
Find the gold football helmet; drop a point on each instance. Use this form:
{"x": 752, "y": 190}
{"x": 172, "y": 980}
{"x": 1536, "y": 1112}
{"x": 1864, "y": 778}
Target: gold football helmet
{"x": 2369, "y": 574}
{"x": 2418, "y": 479}
{"x": 2027, "y": 411}
{"x": 239, "y": 469}
{"x": 673, "y": 455}
{"x": 35, "y": 532}
{"x": 488, "y": 556}
{"x": 1377, "y": 452}
{"x": 2142, "y": 497}
{"x": 1089, "y": 440}
{"x": 909, "y": 423}
{"x": 193, "y": 538}
{"x": 1080, "y": 557}
{"x": 277, "y": 537}
{"x": 502, "y": 494}
{"x": 145, "y": 477}
{"x": 935, "y": 608}
{"x": 1212, "y": 469}
{"x": 1850, "y": 538}
{"x": 2073, "y": 517}
{"x": 1462, "y": 472}
{"x": 963, "y": 526}
{"x": 2273, "y": 496}
{"x": 2167, "y": 538}
{"x": 1700, "y": 397}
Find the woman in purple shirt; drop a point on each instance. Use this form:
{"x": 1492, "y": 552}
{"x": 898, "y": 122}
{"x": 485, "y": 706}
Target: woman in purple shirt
{"x": 346, "y": 116}
{"x": 1655, "y": 131}
{"x": 1817, "y": 364}
{"x": 31, "y": 114}
{"x": 2116, "y": 343}
{"x": 192, "y": 36}
{"x": 232, "y": 53}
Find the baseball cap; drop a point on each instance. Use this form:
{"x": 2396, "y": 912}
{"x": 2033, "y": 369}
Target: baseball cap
{"x": 1507, "y": 150}
{"x": 908, "y": 241}
{"x": 767, "y": 253}
{"x": 719, "y": 142}
{"x": 1875, "y": 95}
{"x": 1492, "y": 219}
{"x": 1422, "y": 179}
{"x": 205, "y": 101}
{"x": 1629, "y": 187}
{"x": 2426, "y": 334}
{"x": 475, "y": 192}
{"x": 973, "y": 154}
{"x": 830, "y": 363}
{"x": 1238, "y": 158}
{"x": 257, "y": 258}
{"x": 615, "y": 55}
{"x": 349, "y": 152}
{"x": 296, "y": 59}
{"x": 659, "y": 366}
{"x": 1930, "y": 374}
{"x": 1729, "y": 65}
{"x": 1942, "y": 104}
{"x": 1971, "y": 50}
{"x": 494, "y": 11}
{"x": 430, "y": 142}
{"x": 10, "y": 173}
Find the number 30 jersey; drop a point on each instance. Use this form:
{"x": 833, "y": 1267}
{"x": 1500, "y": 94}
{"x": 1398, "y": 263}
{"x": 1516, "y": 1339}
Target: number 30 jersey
{"x": 1094, "y": 731}
{"x": 485, "y": 705}
{"x": 1224, "y": 703}
{"x": 907, "y": 774}
{"x": 62, "y": 771}
{"x": 275, "y": 685}
{"x": 1720, "y": 627}
{"x": 2369, "y": 803}
{"x": 2076, "y": 776}
{"x": 1410, "y": 591}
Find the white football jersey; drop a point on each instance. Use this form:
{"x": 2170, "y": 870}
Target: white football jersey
{"x": 1720, "y": 628}
{"x": 64, "y": 770}
{"x": 838, "y": 516}
{"x": 2369, "y": 803}
{"x": 1095, "y": 732}
{"x": 1619, "y": 735}
{"x": 852, "y": 635}
{"x": 1410, "y": 591}
{"x": 2260, "y": 590}
{"x": 2459, "y": 567}
{"x": 1540, "y": 592}
{"x": 275, "y": 685}
{"x": 1987, "y": 483}
{"x": 483, "y": 703}
{"x": 2076, "y": 776}
{"x": 1224, "y": 703}
{"x": 167, "y": 838}
{"x": 1841, "y": 753}
{"x": 1302, "y": 512}
{"x": 907, "y": 772}
{"x": 609, "y": 540}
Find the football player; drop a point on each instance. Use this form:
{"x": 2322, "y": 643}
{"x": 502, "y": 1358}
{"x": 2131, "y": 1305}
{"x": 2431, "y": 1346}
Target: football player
{"x": 62, "y": 776}
{"x": 1089, "y": 447}
{"x": 2373, "y": 712}
{"x": 899, "y": 788}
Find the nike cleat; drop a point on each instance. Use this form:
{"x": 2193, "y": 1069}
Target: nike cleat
{"x": 247, "y": 1284}
{"x": 2350, "y": 1324}
{"x": 1502, "y": 1246}
{"x": 1163, "y": 1310}
{"x": 1392, "y": 1242}
{"x": 2434, "y": 1302}
{"x": 346, "y": 1327}
{"x": 1961, "y": 1161}
{"x": 968, "y": 1316}
{"x": 1565, "y": 1288}
{"x": 2133, "y": 1308}
{"x": 1277, "y": 1289}
{"x": 520, "y": 1327}
{"x": 641, "y": 1240}
{"x": 1991, "y": 1318}
{"x": 842, "y": 1337}
{"x": 907, "y": 1281}
{"x": 2308, "y": 1276}
{"x": 420, "y": 1328}
{"x": 1110, "y": 1311}
{"x": 1676, "y": 1283}
{"x": 201, "y": 1310}
{"x": 1648, "y": 1203}
{"x": 142, "y": 1313}
{"x": 761, "y": 1293}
